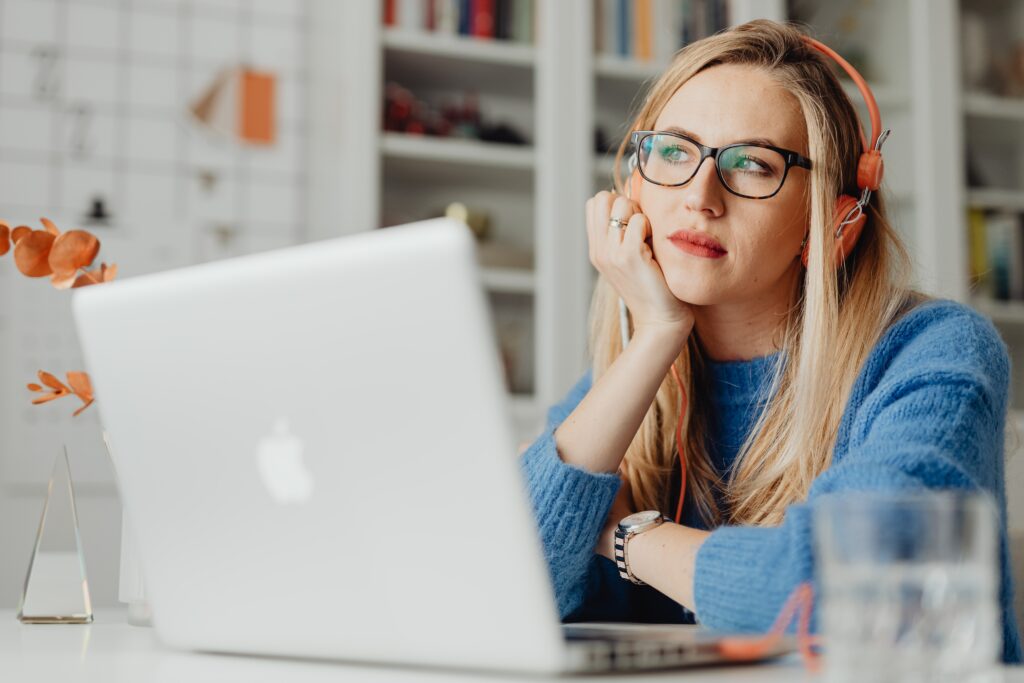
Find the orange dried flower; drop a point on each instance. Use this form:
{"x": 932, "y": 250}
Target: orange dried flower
{"x": 19, "y": 232}
{"x": 32, "y": 253}
{"x": 65, "y": 257}
{"x": 73, "y": 250}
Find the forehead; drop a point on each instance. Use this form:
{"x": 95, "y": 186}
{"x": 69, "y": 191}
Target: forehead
{"x": 730, "y": 102}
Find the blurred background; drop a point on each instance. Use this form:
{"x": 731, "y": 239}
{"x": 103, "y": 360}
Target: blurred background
{"x": 185, "y": 131}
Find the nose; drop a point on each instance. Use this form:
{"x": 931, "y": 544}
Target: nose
{"x": 704, "y": 192}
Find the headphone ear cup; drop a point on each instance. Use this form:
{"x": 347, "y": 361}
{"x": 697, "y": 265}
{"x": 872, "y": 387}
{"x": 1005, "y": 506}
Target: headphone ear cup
{"x": 845, "y": 204}
{"x": 636, "y": 181}
{"x": 850, "y": 232}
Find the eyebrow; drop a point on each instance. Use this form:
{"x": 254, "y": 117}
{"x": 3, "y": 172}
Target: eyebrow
{"x": 746, "y": 141}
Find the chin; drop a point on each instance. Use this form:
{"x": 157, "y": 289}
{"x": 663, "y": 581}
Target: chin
{"x": 694, "y": 291}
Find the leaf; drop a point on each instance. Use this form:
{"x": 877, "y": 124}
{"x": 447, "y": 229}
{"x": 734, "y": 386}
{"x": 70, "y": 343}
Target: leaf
{"x": 63, "y": 280}
{"x": 85, "y": 279}
{"x": 52, "y": 382}
{"x": 50, "y": 227}
{"x": 73, "y": 250}
{"x": 109, "y": 272}
{"x": 81, "y": 385}
{"x": 87, "y": 404}
{"x": 34, "y": 387}
{"x": 31, "y": 253}
{"x": 19, "y": 232}
{"x": 46, "y": 398}
{"x": 5, "y": 238}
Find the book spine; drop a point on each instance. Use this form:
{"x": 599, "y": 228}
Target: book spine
{"x": 666, "y": 30}
{"x": 642, "y": 29}
{"x": 502, "y": 19}
{"x": 465, "y": 16}
{"x": 410, "y": 15}
{"x": 483, "y": 18}
{"x": 389, "y": 12}
{"x": 610, "y": 26}
{"x": 522, "y": 20}
{"x": 624, "y": 48}
{"x": 999, "y": 230}
{"x": 447, "y": 16}
{"x": 686, "y": 22}
{"x": 978, "y": 252}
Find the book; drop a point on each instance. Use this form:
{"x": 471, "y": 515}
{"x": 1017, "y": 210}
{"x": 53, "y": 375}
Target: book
{"x": 642, "y": 28}
{"x": 446, "y": 16}
{"x": 465, "y": 17}
{"x": 667, "y": 32}
{"x": 609, "y": 38}
{"x": 482, "y": 19}
{"x": 977, "y": 248}
{"x": 1005, "y": 257}
{"x": 624, "y": 47}
{"x": 411, "y": 15}
{"x": 522, "y": 21}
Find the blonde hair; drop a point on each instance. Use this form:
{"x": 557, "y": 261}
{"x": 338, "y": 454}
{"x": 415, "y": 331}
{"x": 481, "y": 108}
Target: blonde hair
{"x": 835, "y": 319}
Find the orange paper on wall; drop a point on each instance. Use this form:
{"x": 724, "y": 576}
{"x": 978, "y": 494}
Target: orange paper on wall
{"x": 240, "y": 103}
{"x": 256, "y": 110}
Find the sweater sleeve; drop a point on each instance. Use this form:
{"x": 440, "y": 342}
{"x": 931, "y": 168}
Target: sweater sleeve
{"x": 570, "y": 505}
{"x": 929, "y": 413}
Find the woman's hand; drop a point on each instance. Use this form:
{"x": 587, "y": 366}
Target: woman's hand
{"x": 624, "y": 256}
{"x": 622, "y": 506}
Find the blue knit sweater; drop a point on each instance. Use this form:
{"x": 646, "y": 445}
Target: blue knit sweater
{"x": 927, "y": 410}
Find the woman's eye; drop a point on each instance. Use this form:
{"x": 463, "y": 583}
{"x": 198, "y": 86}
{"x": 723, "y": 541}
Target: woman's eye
{"x": 753, "y": 165}
{"x": 673, "y": 154}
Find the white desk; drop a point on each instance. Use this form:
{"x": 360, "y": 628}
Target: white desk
{"x": 112, "y": 651}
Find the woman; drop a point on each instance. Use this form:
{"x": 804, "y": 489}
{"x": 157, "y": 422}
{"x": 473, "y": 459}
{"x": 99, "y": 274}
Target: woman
{"x": 801, "y": 377}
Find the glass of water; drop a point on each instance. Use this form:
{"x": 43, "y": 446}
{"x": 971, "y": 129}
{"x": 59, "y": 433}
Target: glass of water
{"x": 909, "y": 586}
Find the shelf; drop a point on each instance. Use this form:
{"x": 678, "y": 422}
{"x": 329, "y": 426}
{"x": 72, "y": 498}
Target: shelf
{"x": 1005, "y": 312}
{"x": 432, "y": 61}
{"x": 509, "y": 280}
{"x": 457, "y": 151}
{"x": 993, "y": 198}
{"x": 461, "y": 48}
{"x": 983, "y": 105}
{"x": 440, "y": 161}
{"x": 626, "y": 69}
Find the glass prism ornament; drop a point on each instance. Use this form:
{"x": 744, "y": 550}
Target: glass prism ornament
{"x": 56, "y": 589}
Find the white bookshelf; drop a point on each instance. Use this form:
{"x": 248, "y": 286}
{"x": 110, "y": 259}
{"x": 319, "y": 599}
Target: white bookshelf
{"x": 557, "y": 90}
{"x": 459, "y": 49}
{"x": 992, "y": 129}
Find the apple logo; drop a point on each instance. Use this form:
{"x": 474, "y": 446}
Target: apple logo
{"x": 281, "y": 465}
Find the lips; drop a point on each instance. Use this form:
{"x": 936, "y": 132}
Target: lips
{"x": 698, "y": 239}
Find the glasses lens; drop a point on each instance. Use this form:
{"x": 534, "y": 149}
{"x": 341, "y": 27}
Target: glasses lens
{"x": 667, "y": 159}
{"x": 752, "y": 171}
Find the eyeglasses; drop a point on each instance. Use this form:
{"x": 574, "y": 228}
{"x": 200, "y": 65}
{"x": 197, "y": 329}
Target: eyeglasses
{"x": 746, "y": 170}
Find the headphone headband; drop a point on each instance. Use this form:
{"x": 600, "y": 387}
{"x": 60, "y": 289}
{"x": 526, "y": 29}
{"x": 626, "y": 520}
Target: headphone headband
{"x": 865, "y": 91}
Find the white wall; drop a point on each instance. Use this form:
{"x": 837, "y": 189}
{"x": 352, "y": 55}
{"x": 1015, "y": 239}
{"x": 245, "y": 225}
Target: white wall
{"x": 93, "y": 97}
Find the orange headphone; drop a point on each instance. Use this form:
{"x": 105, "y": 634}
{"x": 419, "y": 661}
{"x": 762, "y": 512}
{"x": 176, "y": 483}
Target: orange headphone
{"x": 849, "y": 217}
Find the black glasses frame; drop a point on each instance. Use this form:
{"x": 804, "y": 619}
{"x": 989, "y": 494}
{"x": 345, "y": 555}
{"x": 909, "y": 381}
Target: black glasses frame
{"x": 792, "y": 159}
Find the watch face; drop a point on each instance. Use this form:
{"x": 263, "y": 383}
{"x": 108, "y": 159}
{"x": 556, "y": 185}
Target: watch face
{"x": 640, "y": 518}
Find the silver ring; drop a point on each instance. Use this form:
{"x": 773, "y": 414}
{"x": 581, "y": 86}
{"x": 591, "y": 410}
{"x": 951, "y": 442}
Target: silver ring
{"x": 618, "y": 223}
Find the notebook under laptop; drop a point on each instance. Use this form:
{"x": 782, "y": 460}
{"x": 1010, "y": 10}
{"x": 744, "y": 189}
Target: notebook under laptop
{"x": 314, "y": 450}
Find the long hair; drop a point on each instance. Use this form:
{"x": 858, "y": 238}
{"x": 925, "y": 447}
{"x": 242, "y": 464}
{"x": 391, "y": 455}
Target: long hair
{"x": 834, "y": 320}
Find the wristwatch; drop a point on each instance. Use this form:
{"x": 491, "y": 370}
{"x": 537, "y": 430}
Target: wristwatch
{"x": 630, "y": 526}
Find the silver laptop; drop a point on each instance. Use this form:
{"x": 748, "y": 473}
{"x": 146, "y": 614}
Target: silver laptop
{"x": 314, "y": 449}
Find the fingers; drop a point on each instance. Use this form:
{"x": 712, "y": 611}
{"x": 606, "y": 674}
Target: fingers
{"x": 636, "y": 232}
{"x": 622, "y": 209}
{"x": 602, "y": 236}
